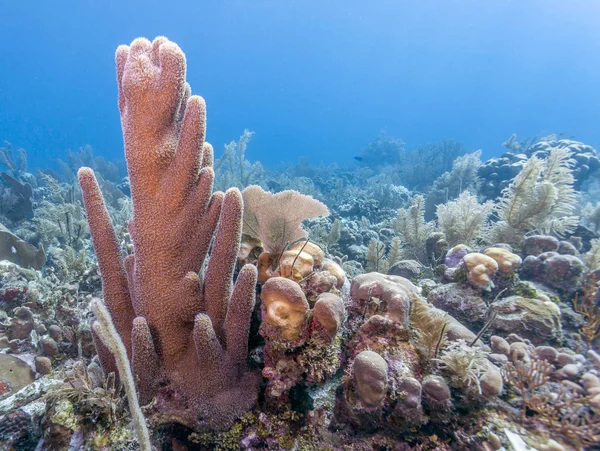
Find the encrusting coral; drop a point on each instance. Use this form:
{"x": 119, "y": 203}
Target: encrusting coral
{"x": 186, "y": 335}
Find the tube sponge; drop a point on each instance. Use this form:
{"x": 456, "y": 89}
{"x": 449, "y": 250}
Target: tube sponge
{"x": 191, "y": 333}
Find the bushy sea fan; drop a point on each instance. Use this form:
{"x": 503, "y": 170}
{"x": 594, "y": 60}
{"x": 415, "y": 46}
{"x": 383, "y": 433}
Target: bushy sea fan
{"x": 540, "y": 199}
{"x": 463, "y": 220}
{"x": 448, "y": 186}
{"x": 232, "y": 169}
{"x": 413, "y": 229}
{"x": 592, "y": 257}
{"x": 590, "y": 216}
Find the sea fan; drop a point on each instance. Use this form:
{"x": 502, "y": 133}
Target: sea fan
{"x": 540, "y": 199}
{"x": 276, "y": 219}
{"x": 462, "y": 221}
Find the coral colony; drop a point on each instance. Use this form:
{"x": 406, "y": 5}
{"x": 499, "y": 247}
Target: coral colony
{"x": 389, "y": 305}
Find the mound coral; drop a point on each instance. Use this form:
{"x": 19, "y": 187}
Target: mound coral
{"x": 186, "y": 335}
{"x": 370, "y": 373}
{"x": 301, "y": 344}
{"x": 480, "y": 269}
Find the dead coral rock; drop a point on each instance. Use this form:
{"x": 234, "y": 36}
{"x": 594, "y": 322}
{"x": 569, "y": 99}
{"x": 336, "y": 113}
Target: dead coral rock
{"x": 14, "y": 249}
{"x": 15, "y": 372}
{"x": 409, "y": 269}
{"x": 562, "y": 272}
{"x": 538, "y": 244}
{"x": 21, "y": 324}
{"x": 408, "y": 409}
{"x": 14, "y": 428}
{"x": 461, "y": 301}
{"x": 395, "y": 291}
{"x": 436, "y": 392}
{"x": 23, "y": 208}
{"x": 319, "y": 282}
{"x": 536, "y": 320}
{"x": 567, "y": 248}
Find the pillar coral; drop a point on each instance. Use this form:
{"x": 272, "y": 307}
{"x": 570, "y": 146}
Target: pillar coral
{"x": 186, "y": 334}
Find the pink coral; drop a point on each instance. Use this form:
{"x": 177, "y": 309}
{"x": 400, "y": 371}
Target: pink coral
{"x": 187, "y": 332}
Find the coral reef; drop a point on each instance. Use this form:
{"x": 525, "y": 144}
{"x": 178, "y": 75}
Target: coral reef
{"x": 412, "y": 300}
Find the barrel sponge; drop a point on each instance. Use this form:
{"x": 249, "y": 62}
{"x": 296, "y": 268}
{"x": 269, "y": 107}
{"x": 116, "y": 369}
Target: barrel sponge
{"x": 370, "y": 375}
{"x": 284, "y": 306}
{"x": 329, "y": 312}
{"x": 480, "y": 269}
{"x": 507, "y": 261}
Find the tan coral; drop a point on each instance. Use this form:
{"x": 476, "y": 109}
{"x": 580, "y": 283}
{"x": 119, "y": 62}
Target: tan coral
{"x": 296, "y": 265}
{"x": 264, "y": 267}
{"x": 310, "y": 248}
{"x": 284, "y": 306}
{"x": 507, "y": 261}
{"x": 335, "y": 269}
{"x": 329, "y": 313}
{"x": 480, "y": 269}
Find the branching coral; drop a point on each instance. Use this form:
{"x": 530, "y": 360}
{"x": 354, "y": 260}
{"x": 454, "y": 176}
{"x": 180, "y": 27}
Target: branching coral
{"x": 525, "y": 377}
{"x": 541, "y": 198}
{"x": 15, "y": 164}
{"x": 232, "y": 169}
{"x": 186, "y": 332}
{"x": 587, "y": 306}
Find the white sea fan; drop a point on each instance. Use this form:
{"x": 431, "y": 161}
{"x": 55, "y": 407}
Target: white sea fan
{"x": 540, "y": 199}
{"x": 463, "y": 220}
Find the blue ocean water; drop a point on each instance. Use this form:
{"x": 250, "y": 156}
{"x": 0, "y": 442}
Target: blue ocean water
{"x": 314, "y": 78}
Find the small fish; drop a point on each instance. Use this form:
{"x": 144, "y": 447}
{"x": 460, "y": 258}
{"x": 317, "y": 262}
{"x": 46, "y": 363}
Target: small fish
{"x": 358, "y": 158}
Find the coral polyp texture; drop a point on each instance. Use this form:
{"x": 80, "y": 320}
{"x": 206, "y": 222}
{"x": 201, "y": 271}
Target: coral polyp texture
{"x": 319, "y": 308}
{"x": 186, "y": 336}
